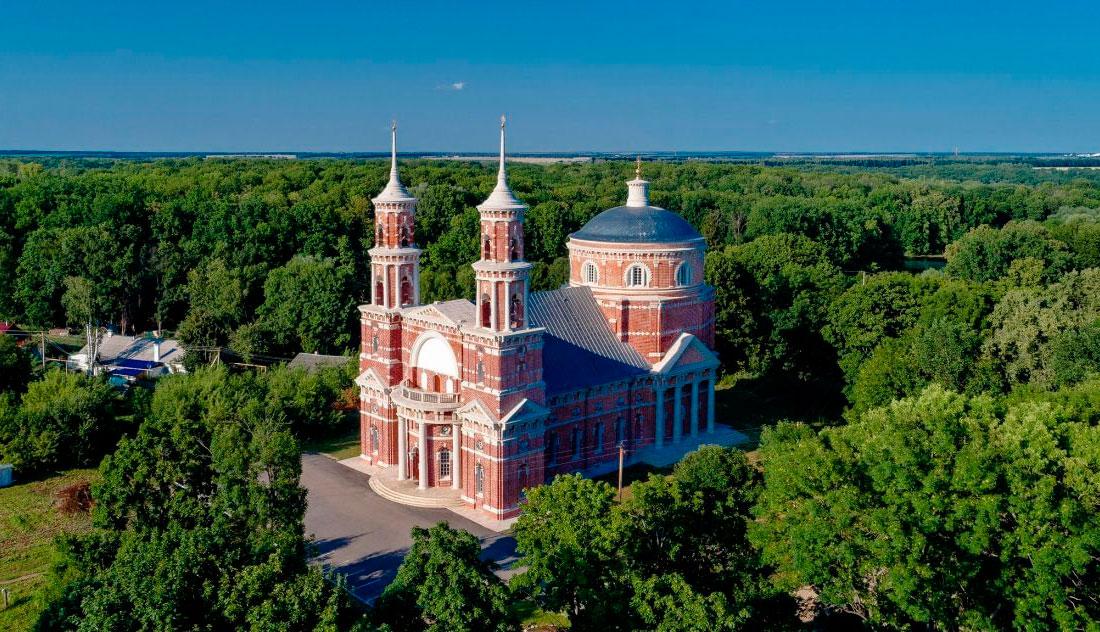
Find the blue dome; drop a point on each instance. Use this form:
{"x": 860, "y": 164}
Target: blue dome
{"x": 638, "y": 224}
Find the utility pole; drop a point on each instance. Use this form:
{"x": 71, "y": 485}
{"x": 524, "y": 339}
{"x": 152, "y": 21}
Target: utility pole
{"x": 622, "y": 451}
{"x": 42, "y": 348}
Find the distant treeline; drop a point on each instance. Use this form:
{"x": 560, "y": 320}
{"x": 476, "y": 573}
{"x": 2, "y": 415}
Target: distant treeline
{"x": 261, "y": 254}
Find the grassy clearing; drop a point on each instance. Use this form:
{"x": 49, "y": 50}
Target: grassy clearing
{"x": 341, "y": 443}
{"x": 534, "y": 618}
{"x": 750, "y": 404}
{"x": 29, "y": 522}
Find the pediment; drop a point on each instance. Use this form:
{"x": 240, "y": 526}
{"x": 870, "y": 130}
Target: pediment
{"x": 370, "y": 379}
{"x": 688, "y": 352}
{"x": 476, "y": 411}
{"x": 526, "y": 410}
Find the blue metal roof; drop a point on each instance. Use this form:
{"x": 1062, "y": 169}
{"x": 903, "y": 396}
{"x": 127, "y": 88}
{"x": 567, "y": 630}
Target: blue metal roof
{"x": 638, "y": 224}
{"x": 127, "y": 372}
{"x": 580, "y": 349}
{"x": 130, "y": 363}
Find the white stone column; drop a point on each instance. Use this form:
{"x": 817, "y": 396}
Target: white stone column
{"x": 659, "y": 430}
{"x": 695, "y": 407}
{"x": 677, "y": 413}
{"x": 385, "y": 285}
{"x": 422, "y": 447}
{"x": 374, "y": 285}
{"x": 402, "y": 449}
{"x": 507, "y": 306}
{"x": 710, "y": 404}
{"x": 456, "y": 463}
{"x": 493, "y": 306}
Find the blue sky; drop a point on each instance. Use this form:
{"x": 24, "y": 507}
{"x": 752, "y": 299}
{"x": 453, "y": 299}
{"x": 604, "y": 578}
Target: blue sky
{"x": 629, "y": 76}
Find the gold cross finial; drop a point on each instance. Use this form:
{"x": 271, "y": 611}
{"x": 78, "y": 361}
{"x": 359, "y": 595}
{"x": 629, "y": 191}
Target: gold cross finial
{"x": 502, "y": 120}
{"x": 638, "y": 168}
{"x": 393, "y": 125}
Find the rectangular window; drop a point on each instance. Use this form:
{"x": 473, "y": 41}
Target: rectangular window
{"x": 444, "y": 464}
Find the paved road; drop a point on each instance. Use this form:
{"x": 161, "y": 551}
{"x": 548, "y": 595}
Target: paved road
{"x": 365, "y": 536}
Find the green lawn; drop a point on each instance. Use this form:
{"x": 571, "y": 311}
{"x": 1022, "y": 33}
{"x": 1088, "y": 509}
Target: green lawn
{"x": 749, "y": 405}
{"x": 534, "y": 618}
{"x": 340, "y": 443}
{"x": 28, "y": 525}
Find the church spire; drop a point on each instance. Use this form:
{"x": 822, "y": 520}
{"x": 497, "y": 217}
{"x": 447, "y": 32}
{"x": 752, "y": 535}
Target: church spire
{"x": 502, "y": 196}
{"x": 394, "y": 191}
{"x": 502, "y": 176}
{"x": 393, "y": 151}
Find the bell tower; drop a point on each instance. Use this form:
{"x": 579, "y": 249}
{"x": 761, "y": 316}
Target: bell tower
{"x": 395, "y": 259}
{"x": 502, "y": 273}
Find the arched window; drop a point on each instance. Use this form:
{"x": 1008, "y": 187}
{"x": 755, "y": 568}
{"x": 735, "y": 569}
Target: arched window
{"x": 598, "y": 437}
{"x": 479, "y": 479}
{"x": 620, "y": 431}
{"x": 444, "y": 463}
{"x": 486, "y": 311}
{"x": 578, "y": 442}
{"x": 591, "y": 273}
{"x": 380, "y": 237}
{"x": 516, "y": 312}
{"x": 406, "y": 292}
{"x": 480, "y": 370}
{"x": 683, "y": 274}
{"x": 404, "y": 237}
{"x": 513, "y": 249}
{"x": 521, "y": 480}
{"x": 374, "y": 440}
{"x": 487, "y": 249}
{"x": 379, "y": 293}
{"x": 637, "y": 275}
{"x": 552, "y": 450}
{"x": 374, "y": 343}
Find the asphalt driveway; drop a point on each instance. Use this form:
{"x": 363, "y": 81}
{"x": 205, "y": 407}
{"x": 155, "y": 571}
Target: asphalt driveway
{"x": 364, "y": 536}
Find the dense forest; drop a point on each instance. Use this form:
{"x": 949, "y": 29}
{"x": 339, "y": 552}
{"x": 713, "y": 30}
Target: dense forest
{"x": 954, "y": 485}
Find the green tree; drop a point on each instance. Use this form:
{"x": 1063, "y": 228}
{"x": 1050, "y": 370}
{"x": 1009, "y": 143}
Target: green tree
{"x": 1026, "y": 321}
{"x": 15, "y": 366}
{"x": 308, "y": 306}
{"x": 929, "y": 511}
{"x": 565, "y": 539}
{"x": 684, "y": 543}
{"x": 62, "y": 420}
{"x": 198, "y": 523}
{"x": 877, "y": 307}
{"x": 217, "y": 297}
{"x": 775, "y": 290}
{"x": 444, "y": 585}
{"x": 986, "y": 254}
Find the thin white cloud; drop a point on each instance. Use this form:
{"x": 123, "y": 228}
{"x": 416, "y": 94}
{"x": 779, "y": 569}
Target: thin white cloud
{"x": 452, "y": 87}
{"x": 458, "y": 85}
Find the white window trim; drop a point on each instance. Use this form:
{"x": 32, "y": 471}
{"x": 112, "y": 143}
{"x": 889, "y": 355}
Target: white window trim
{"x": 685, "y": 265}
{"x": 590, "y": 265}
{"x": 646, "y": 275}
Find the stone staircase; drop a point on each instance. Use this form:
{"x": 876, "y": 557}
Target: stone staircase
{"x": 407, "y": 493}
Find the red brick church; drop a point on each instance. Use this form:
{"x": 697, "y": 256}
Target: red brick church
{"x": 492, "y": 397}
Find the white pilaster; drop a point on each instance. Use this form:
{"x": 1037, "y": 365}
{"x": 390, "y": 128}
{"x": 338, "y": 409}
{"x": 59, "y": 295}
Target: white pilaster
{"x": 659, "y": 431}
{"x": 493, "y": 300}
{"x": 402, "y": 449}
{"x": 695, "y": 406}
{"x": 422, "y": 447}
{"x": 710, "y": 404}
{"x": 677, "y": 413}
{"x": 386, "y": 286}
{"x": 456, "y": 462}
